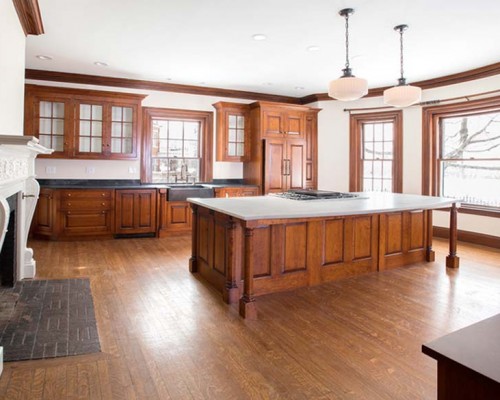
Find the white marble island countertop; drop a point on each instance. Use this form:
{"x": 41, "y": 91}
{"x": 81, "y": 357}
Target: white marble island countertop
{"x": 271, "y": 207}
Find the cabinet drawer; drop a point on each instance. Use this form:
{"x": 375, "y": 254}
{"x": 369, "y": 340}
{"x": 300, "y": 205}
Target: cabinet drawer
{"x": 85, "y": 204}
{"x": 86, "y": 194}
{"x": 90, "y": 223}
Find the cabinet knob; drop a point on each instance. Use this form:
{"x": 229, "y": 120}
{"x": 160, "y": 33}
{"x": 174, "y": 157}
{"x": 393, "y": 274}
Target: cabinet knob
{"x": 69, "y": 194}
{"x": 103, "y": 194}
{"x": 69, "y": 204}
{"x": 103, "y": 204}
{"x": 69, "y": 212}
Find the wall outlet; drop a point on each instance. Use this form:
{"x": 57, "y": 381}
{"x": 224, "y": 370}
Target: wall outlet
{"x": 132, "y": 170}
{"x": 90, "y": 170}
{"x": 50, "y": 170}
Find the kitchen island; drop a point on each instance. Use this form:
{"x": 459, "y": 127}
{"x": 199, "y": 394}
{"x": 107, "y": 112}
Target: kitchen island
{"x": 247, "y": 247}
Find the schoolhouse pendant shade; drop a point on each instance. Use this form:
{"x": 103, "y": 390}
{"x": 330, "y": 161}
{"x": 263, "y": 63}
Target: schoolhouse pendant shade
{"x": 402, "y": 95}
{"x": 347, "y": 87}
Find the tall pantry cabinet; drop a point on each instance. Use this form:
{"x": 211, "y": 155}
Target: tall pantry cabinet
{"x": 283, "y": 147}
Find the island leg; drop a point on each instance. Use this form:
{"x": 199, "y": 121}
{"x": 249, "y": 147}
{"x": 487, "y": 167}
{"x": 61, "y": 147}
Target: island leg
{"x": 452, "y": 260}
{"x": 230, "y": 292}
{"x": 247, "y": 301}
{"x": 193, "y": 261}
{"x": 430, "y": 254}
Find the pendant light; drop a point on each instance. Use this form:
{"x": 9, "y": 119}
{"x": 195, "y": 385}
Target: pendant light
{"x": 402, "y": 95}
{"x": 347, "y": 87}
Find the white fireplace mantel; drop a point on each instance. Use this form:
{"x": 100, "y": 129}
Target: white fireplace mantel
{"x": 17, "y": 175}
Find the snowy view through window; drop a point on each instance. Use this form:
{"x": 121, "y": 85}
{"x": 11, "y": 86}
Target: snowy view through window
{"x": 470, "y": 158}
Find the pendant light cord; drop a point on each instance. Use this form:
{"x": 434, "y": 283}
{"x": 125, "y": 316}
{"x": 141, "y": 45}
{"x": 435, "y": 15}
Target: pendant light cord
{"x": 347, "y": 41}
{"x": 401, "y": 49}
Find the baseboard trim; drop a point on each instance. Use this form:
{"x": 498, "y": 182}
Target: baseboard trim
{"x": 469, "y": 237}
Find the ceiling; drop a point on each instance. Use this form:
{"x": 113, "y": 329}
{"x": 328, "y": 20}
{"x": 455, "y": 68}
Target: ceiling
{"x": 209, "y": 42}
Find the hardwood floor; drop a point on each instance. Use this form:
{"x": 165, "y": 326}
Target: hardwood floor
{"x": 165, "y": 334}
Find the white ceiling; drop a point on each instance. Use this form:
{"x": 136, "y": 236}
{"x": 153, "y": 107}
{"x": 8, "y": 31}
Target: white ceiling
{"x": 209, "y": 42}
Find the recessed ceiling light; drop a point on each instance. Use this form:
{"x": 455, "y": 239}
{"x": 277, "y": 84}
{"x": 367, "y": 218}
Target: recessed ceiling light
{"x": 203, "y": 83}
{"x": 299, "y": 87}
{"x": 101, "y": 64}
{"x": 267, "y": 84}
{"x": 259, "y": 36}
{"x": 44, "y": 57}
{"x": 168, "y": 79}
{"x": 313, "y": 48}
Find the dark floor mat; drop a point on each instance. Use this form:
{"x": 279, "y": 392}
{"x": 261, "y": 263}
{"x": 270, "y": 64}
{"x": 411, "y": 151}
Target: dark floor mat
{"x": 47, "y": 318}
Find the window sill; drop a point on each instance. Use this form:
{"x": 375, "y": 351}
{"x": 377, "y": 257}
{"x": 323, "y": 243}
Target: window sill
{"x": 478, "y": 210}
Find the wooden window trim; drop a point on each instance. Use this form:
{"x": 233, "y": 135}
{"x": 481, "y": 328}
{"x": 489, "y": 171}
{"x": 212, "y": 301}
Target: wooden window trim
{"x": 430, "y": 150}
{"x": 356, "y": 121}
{"x": 206, "y": 120}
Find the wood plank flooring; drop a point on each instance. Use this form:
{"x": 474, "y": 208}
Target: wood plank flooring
{"x": 165, "y": 334}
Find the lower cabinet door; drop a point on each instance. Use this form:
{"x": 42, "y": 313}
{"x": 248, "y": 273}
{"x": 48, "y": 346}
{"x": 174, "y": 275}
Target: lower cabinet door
{"x": 135, "y": 211}
{"x": 176, "y": 217}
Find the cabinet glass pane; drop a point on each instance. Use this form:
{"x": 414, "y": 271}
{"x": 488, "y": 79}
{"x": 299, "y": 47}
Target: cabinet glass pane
{"x": 241, "y": 136}
{"x": 241, "y": 122}
{"x": 116, "y": 129}
{"x": 45, "y": 126}
{"x": 58, "y": 110}
{"x": 96, "y": 128}
{"x": 116, "y": 113}
{"x": 45, "y": 141}
{"x": 84, "y": 128}
{"x": 45, "y": 109}
{"x": 232, "y": 135}
{"x": 58, "y": 143}
{"x": 127, "y": 114}
{"x": 232, "y": 121}
{"x": 175, "y": 129}
{"x": 231, "y": 149}
{"x": 191, "y": 130}
{"x": 240, "y": 150}
{"x": 127, "y": 130}
{"x": 85, "y": 111}
{"x": 116, "y": 145}
{"x": 84, "y": 145}
{"x": 127, "y": 146}
{"x": 96, "y": 145}
{"x": 58, "y": 127}
{"x": 97, "y": 112}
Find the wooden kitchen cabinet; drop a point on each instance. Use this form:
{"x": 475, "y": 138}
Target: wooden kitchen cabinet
{"x": 232, "y": 133}
{"x": 86, "y": 212}
{"x": 44, "y": 221}
{"x": 135, "y": 211}
{"x": 237, "y": 191}
{"x": 84, "y": 123}
{"x": 284, "y": 164}
{"x": 283, "y": 149}
{"x": 174, "y": 216}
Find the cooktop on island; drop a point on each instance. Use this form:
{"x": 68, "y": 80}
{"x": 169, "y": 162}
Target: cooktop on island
{"x": 304, "y": 194}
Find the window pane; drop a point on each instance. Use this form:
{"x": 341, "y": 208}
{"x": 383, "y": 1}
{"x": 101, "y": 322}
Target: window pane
{"x": 377, "y": 185}
{"x": 367, "y": 185}
{"x": 473, "y": 136}
{"x": 368, "y": 132}
{"x": 190, "y": 148}
{"x": 191, "y": 130}
{"x": 388, "y": 150}
{"x": 387, "y": 169}
{"x": 379, "y": 150}
{"x": 378, "y": 132}
{"x": 377, "y": 169}
{"x": 368, "y": 151}
{"x": 387, "y": 185}
{"x": 175, "y": 129}
{"x": 474, "y": 182}
{"x": 388, "y": 133}
{"x": 175, "y": 148}
{"x": 368, "y": 169}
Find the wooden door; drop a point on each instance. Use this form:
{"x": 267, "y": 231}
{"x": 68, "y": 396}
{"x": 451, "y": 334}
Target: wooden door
{"x": 275, "y": 179}
{"x": 295, "y": 163}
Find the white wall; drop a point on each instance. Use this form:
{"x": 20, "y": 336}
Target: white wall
{"x": 106, "y": 169}
{"x": 12, "y": 49}
{"x": 333, "y": 146}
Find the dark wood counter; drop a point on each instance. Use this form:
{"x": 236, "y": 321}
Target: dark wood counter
{"x": 468, "y": 362}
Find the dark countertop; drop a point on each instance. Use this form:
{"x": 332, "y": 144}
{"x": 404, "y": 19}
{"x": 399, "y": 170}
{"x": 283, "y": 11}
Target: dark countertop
{"x": 128, "y": 184}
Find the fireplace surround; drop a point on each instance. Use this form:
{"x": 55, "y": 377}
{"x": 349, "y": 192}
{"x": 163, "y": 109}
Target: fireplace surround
{"x": 17, "y": 177}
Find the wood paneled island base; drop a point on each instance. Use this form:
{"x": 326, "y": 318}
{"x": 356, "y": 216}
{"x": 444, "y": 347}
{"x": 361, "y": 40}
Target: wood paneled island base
{"x": 245, "y": 253}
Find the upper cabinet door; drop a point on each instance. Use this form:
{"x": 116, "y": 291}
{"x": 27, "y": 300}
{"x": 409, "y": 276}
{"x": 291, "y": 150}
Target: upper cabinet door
{"x": 295, "y": 123}
{"x": 273, "y": 123}
{"x": 83, "y": 123}
{"x": 233, "y": 130}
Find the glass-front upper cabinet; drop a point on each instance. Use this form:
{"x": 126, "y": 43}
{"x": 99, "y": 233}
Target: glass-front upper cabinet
{"x": 82, "y": 123}
{"x": 233, "y": 142}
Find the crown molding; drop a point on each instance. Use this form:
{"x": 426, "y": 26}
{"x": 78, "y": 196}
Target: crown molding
{"x": 30, "y": 17}
{"x": 55, "y": 76}
{"x": 473, "y": 74}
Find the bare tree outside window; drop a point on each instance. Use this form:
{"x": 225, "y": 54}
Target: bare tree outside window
{"x": 470, "y": 158}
